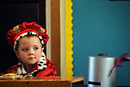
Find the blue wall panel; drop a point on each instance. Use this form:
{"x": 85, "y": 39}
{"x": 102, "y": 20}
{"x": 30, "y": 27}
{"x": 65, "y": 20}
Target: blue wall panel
{"x": 101, "y": 26}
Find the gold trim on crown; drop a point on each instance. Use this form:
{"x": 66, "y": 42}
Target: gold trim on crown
{"x": 16, "y": 29}
{"x": 41, "y": 31}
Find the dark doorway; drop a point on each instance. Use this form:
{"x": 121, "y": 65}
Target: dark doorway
{"x": 13, "y": 12}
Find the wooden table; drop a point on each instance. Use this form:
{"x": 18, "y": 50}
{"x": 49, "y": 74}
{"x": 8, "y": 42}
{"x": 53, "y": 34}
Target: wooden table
{"x": 41, "y": 82}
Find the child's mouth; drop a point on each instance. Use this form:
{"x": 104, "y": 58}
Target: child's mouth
{"x": 31, "y": 58}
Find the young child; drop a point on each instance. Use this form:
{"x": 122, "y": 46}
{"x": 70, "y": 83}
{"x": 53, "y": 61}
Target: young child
{"x": 28, "y": 41}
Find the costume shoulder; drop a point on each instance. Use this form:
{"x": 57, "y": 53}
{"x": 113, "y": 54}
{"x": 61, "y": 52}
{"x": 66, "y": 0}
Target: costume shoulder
{"x": 49, "y": 71}
{"x": 12, "y": 69}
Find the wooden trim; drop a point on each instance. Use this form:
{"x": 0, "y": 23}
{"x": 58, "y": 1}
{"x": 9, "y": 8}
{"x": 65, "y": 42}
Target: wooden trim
{"x": 62, "y": 39}
{"x": 48, "y": 27}
{"x": 55, "y": 34}
{"x": 55, "y": 30}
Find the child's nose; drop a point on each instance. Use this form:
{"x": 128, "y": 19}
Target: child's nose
{"x": 31, "y": 52}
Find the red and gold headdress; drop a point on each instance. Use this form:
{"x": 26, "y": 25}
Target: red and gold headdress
{"x": 24, "y": 29}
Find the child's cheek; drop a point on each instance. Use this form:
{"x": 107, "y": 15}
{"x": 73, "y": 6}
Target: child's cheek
{"x": 23, "y": 55}
{"x": 39, "y": 55}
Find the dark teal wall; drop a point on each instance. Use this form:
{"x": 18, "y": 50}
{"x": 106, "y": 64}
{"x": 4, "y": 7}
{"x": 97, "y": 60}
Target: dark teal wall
{"x": 101, "y": 26}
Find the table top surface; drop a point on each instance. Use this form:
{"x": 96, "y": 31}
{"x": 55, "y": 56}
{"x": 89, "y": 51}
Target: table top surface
{"x": 57, "y": 78}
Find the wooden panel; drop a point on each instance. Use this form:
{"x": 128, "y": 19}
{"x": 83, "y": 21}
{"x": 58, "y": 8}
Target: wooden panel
{"x": 42, "y": 82}
{"x": 55, "y": 34}
{"x": 55, "y": 30}
{"x": 36, "y": 84}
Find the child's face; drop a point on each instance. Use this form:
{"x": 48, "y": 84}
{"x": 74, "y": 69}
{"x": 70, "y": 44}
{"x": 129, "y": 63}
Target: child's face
{"x": 29, "y": 50}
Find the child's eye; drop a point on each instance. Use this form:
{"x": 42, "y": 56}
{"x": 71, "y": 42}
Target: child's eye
{"x": 35, "y": 48}
{"x": 25, "y": 49}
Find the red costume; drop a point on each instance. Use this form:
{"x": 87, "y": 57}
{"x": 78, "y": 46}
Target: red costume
{"x": 43, "y": 67}
{"x": 49, "y": 71}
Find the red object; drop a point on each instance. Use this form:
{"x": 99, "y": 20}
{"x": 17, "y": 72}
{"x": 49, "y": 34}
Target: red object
{"x": 49, "y": 71}
{"x": 119, "y": 61}
{"x": 26, "y": 27}
{"x": 102, "y": 54}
